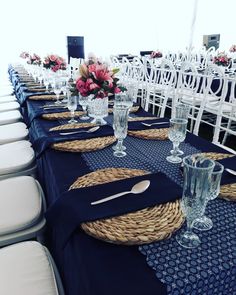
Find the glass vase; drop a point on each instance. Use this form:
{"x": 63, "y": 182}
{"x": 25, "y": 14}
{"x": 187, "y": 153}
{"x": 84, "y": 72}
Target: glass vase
{"x": 98, "y": 109}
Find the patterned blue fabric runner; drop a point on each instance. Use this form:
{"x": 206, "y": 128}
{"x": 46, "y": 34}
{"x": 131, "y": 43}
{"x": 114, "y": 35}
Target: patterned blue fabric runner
{"x": 209, "y": 269}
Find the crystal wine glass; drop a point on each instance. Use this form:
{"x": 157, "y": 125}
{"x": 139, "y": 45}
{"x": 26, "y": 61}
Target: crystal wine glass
{"x": 57, "y": 90}
{"x": 205, "y": 223}
{"x": 197, "y": 178}
{"x": 181, "y": 112}
{"x": 72, "y": 106}
{"x": 177, "y": 134}
{"x": 120, "y": 126}
{"x": 84, "y": 102}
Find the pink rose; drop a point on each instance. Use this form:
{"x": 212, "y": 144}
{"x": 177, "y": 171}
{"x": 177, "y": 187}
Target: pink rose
{"x": 53, "y": 57}
{"x": 55, "y": 68}
{"x": 117, "y": 90}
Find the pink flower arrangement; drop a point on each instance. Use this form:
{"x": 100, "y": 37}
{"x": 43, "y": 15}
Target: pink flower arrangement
{"x": 232, "y": 48}
{"x": 24, "y": 54}
{"x": 54, "y": 62}
{"x": 34, "y": 59}
{"x": 97, "y": 79}
{"x": 221, "y": 59}
{"x": 156, "y": 54}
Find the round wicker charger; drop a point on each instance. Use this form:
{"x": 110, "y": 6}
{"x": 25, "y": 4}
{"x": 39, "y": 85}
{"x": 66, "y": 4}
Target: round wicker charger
{"x": 159, "y": 134}
{"x": 216, "y": 156}
{"x": 36, "y": 89}
{"x": 86, "y": 145}
{"x": 136, "y": 228}
{"x": 132, "y": 110}
{"x": 61, "y": 116}
{"x": 45, "y": 97}
{"x": 72, "y": 126}
{"x": 227, "y": 191}
{"x": 131, "y": 119}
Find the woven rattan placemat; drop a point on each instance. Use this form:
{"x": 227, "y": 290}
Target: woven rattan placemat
{"x": 61, "y": 116}
{"x": 136, "y": 228}
{"x": 159, "y": 134}
{"x": 45, "y": 97}
{"x": 86, "y": 145}
{"x": 36, "y": 89}
{"x": 227, "y": 191}
{"x": 131, "y": 119}
{"x": 72, "y": 126}
{"x": 132, "y": 110}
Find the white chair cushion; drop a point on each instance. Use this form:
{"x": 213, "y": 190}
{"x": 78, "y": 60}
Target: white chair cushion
{"x": 25, "y": 269}
{"x": 13, "y": 132}
{"x": 20, "y": 204}
{"x": 15, "y": 156}
{"x": 8, "y": 106}
{"x": 9, "y": 98}
{"x": 10, "y": 117}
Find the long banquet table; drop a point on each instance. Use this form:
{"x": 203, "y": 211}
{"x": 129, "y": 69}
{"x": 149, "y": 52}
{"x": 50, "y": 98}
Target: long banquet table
{"x": 90, "y": 266}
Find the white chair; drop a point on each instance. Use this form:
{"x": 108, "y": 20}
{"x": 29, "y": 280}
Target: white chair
{"x": 13, "y": 132}
{"x": 10, "y": 117}
{"x": 22, "y": 207}
{"x": 211, "y": 108}
{"x": 161, "y": 87}
{"x": 17, "y": 158}
{"x": 9, "y": 98}
{"x": 9, "y": 106}
{"x": 27, "y": 268}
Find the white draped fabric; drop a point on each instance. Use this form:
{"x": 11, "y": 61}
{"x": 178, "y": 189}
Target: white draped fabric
{"x": 110, "y": 26}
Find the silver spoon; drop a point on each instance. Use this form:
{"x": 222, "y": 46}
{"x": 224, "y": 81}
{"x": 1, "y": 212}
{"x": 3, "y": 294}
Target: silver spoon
{"x": 149, "y": 125}
{"x": 93, "y": 129}
{"x": 231, "y": 171}
{"x": 138, "y": 188}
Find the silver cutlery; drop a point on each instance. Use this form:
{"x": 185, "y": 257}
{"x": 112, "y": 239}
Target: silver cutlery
{"x": 138, "y": 188}
{"x": 149, "y": 125}
{"x": 233, "y": 172}
{"x": 93, "y": 129}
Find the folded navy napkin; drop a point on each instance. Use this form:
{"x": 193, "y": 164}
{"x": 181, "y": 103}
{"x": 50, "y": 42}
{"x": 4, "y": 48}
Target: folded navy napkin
{"x": 203, "y": 145}
{"x": 137, "y": 125}
{"x": 228, "y": 178}
{"x": 41, "y": 111}
{"x": 74, "y": 206}
{"x": 42, "y": 143}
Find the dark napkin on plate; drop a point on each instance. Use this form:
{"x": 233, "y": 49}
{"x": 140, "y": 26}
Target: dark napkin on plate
{"x": 42, "y": 143}
{"x": 41, "y": 111}
{"x": 228, "y": 178}
{"x": 74, "y": 206}
{"x": 137, "y": 125}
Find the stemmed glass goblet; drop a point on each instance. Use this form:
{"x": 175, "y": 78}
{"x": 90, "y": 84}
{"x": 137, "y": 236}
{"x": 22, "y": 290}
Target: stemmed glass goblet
{"x": 197, "y": 178}
{"x": 84, "y": 102}
{"x": 177, "y": 134}
{"x": 120, "y": 126}
{"x": 57, "y": 90}
{"x": 205, "y": 223}
{"x": 181, "y": 112}
{"x": 72, "y": 106}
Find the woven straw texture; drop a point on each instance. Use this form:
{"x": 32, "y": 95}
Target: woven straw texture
{"x": 159, "y": 134}
{"x": 72, "y": 126}
{"x": 87, "y": 145}
{"x": 131, "y": 119}
{"x": 132, "y": 110}
{"x": 136, "y": 228}
{"x": 36, "y": 89}
{"x": 217, "y": 156}
{"x": 61, "y": 116}
{"x": 45, "y": 97}
{"x": 227, "y": 191}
